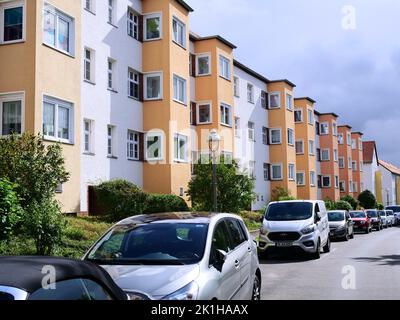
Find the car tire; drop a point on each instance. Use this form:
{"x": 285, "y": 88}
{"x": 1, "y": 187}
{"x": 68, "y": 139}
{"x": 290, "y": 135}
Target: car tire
{"x": 346, "y": 237}
{"x": 256, "y": 293}
{"x": 367, "y": 230}
{"x": 352, "y": 235}
{"x": 317, "y": 254}
{"x": 327, "y": 247}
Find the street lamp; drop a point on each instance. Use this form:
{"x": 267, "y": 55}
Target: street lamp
{"x": 387, "y": 197}
{"x": 213, "y": 144}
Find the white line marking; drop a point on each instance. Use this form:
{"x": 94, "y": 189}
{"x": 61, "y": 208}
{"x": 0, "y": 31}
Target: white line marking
{"x": 327, "y": 254}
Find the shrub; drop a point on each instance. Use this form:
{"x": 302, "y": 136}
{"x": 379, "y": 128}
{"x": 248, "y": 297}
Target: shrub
{"x": 343, "y": 205}
{"x": 353, "y": 202}
{"x": 120, "y": 199}
{"x": 380, "y": 206}
{"x": 329, "y": 204}
{"x": 10, "y": 210}
{"x": 157, "y": 203}
{"x": 367, "y": 199}
{"x": 280, "y": 194}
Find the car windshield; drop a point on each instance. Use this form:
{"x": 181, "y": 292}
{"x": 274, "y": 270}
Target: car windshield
{"x": 153, "y": 244}
{"x": 389, "y": 213}
{"x": 335, "y": 216}
{"x": 372, "y": 214}
{"x": 382, "y": 213}
{"x": 287, "y": 211}
{"x": 357, "y": 214}
{"x": 394, "y": 208}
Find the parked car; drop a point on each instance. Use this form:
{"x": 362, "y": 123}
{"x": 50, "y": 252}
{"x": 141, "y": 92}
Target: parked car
{"x": 385, "y": 220}
{"x": 341, "y": 225}
{"x": 396, "y": 211}
{"x": 22, "y": 278}
{"x": 181, "y": 256}
{"x": 376, "y": 219}
{"x": 301, "y": 225}
{"x": 390, "y": 217}
{"x": 362, "y": 222}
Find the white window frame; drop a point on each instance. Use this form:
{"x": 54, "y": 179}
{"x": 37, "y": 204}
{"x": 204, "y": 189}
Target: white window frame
{"x": 276, "y": 93}
{"x": 342, "y": 184}
{"x": 340, "y": 138}
{"x": 111, "y": 138}
{"x": 199, "y": 56}
{"x": 150, "y": 16}
{"x": 266, "y": 173}
{"x": 92, "y": 6}
{"x": 57, "y": 104}
{"x": 11, "y": 5}
{"x": 296, "y": 110}
{"x": 264, "y": 133}
{"x": 301, "y": 173}
{"x": 134, "y": 143}
{"x": 329, "y": 155}
{"x": 111, "y": 12}
{"x": 251, "y": 132}
{"x": 236, "y": 87}
{"x": 290, "y": 130}
{"x": 324, "y": 124}
{"x": 224, "y": 62}
{"x": 355, "y": 187}
{"x": 361, "y": 166}
{"x": 226, "y": 107}
{"x": 335, "y": 155}
{"x": 203, "y": 103}
{"x": 152, "y": 74}
{"x": 9, "y": 97}
{"x": 313, "y": 178}
{"x": 311, "y": 147}
{"x": 353, "y": 144}
{"x": 354, "y": 165}
{"x": 71, "y": 36}
{"x": 90, "y": 134}
{"x": 131, "y": 80}
{"x": 302, "y": 146}
{"x": 250, "y": 93}
{"x": 336, "y": 180}
{"x": 132, "y": 23}
{"x": 91, "y": 63}
{"x": 322, "y": 181}
{"x": 348, "y": 138}
{"x": 289, "y": 101}
{"x": 291, "y": 172}
{"x": 175, "y": 36}
{"x": 334, "y": 129}
{"x": 252, "y": 169}
{"x": 177, "y": 138}
{"x": 349, "y": 163}
{"x": 111, "y": 72}
{"x": 273, "y": 165}
{"x": 176, "y": 89}
{"x": 237, "y": 126}
{"x": 360, "y": 144}
{"x": 343, "y": 162}
{"x": 350, "y": 186}
{"x": 270, "y": 136}
{"x": 154, "y": 134}
{"x": 310, "y": 118}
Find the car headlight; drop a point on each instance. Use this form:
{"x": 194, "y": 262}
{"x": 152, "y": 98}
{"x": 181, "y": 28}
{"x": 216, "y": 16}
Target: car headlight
{"x": 308, "y": 229}
{"x": 188, "y": 292}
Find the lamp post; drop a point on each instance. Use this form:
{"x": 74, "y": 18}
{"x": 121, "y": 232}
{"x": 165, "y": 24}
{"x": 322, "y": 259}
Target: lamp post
{"x": 387, "y": 197}
{"x": 213, "y": 144}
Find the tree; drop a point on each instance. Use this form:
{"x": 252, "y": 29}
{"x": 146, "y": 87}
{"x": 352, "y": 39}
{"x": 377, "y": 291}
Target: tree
{"x": 343, "y": 205}
{"x": 281, "y": 194}
{"x": 36, "y": 169}
{"x": 353, "y": 202}
{"x": 329, "y": 204}
{"x": 10, "y": 209}
{"x": 234, "y": 190}
{"x": 367, "y": 199}
{"x": 380, "y": 206}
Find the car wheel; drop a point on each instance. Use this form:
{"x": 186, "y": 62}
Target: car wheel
{"x": 327, "y": 247}
{"x": 317, "y": 254}
{"x": 346, "y": 237}
{"x": 367, "y": 230}
{"x": 352, "y": 235}
{"x": 256, "y": 295}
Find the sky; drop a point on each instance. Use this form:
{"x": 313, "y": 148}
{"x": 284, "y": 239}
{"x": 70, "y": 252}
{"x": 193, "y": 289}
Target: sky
{"x": 345, "y": 54}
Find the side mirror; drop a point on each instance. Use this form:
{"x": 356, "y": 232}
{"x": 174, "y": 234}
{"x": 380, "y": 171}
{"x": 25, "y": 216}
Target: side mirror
{"x": 220, "y": 257}
{"x": 368, "y": 216}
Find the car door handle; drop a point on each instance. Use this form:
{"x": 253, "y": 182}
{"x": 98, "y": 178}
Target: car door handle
{"x": 237, "y": 263}
{"x": 249, "y": 249}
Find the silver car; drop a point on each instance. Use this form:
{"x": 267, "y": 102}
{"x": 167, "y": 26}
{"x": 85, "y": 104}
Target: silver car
{"x": 390, "y": 217}
{"x": 181, "y": 256}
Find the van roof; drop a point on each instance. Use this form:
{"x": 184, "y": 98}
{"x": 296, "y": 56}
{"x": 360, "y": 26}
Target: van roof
{"x": 291, "y": 201}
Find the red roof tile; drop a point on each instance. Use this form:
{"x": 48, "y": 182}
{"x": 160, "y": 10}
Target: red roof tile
{"x": 392, "y": 168}
{"x": 369, "y": 148}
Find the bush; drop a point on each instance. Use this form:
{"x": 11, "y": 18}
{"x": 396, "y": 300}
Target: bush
{"x": 380, "y": 206}
{"x": 329, "y": 204}
{"x": 343, "y": 205}
{"x": 157, "y": 203}
{"x": 281, "y": 194}
{"x": 251, "y": 219}
{"x": 10, "y": 210}
{"x": 120, "y": 199}
{"x": 367, "y": 200}
{"x": 353, "y": 202}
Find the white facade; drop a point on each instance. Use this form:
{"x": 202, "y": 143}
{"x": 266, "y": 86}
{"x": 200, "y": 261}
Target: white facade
{"x": 388, "y": 186}
{"x": 248, "y": 150}
{"x": 105, "y": 107}
{"x": 369, "y": 171}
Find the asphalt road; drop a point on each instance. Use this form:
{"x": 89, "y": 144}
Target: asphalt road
{"x": 366, "y": 267}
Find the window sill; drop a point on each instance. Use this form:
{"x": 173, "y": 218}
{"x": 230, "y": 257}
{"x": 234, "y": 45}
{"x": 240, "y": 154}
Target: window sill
{"x": 133, "y": 160}
{"x": 90, "y": 82}
{"x": 274, "y": 108}
{"x": 277, "y": 179}
{"x": 226, "y": 125}
{"x": 227, "y": 79}
{"x": 112, "y": 24}
{"x": 203, "y": 123}
{"x": 181, "y": 161}
{"x": 134, "y": 98}
{"x": 60, "y": 51}
{"x": 149, "y": 40}
{"x": 62, "y": 141}
{"x": 203, "y": 75}
{"x": 180, "y": 102}
{"x": 130, "y": 36}
{"x": 112, "y": 90}
{"x": 7, "y": 43}
{"x": 89, "y": 11}
{"x": 251, "y": 102}
{"x": 89, "y": 153}
{"x": 112, "y": 157}
{"x": 152, "y": 99}
{"x": 275, "y": 144}
{"x": 179, "y": 45}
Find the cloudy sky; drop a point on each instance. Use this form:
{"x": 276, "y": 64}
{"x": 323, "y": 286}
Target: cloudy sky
{"x": 351, "y": 67}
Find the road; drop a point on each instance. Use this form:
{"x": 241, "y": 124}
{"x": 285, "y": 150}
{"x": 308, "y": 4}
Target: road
{"x": 367, "y": 267}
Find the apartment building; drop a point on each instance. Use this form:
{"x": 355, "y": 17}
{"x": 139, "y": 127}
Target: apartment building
{"x": 306, "y": 176}
{"x": 357, "y": 163}
{"x": 372, "y": 176}
{"x": 345, "y": 160}
{"x": 390, "y": 183}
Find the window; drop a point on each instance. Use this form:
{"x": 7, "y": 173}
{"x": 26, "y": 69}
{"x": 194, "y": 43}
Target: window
{"x": 266, "y": 168}
{"x": 291, "y": 172}
{"x": 133, "y": 24}
{"x": 11, "y": 110}
{"x": 311, "y": 147}
{"x": 326, "y": 181}
{"x": 353, "y": 144}
{"x": 250, "y": 129}
{"x": 58, "y": 29}
{"x": 349, "y": 163}
{"x": 341, "y": 163}
{"x": 355, "y": 189}
{"x": 350, "y": 186}
{"x": 133, "y": 83}
{"x": 360, "y": 145}
{"x": 361, "y": 187}
{"x": 336, "y": 182}
{"x": 324, "y": 128}
{"x": 152, "y": 27}
{"x": 111, "y": 4}
{"x": 203, "y": 64}
{"x": 318, "y": 154}
{"x": 179, "y": 32}
{"x": 153, "y": 86}
{"x": 132, "y": 145}
{"x": 340, "y": 138}
{"x": 194, "y": 159}
{"x": 111, "y": 74}
{"x": 310, "y": 114}
{"x": 88, "y": 67}
{"x": 276, "y": 172}
{"x": 275, "y": 100}
{"x": 57, "y": 120}
{"x": 88, "y": 135}
{"x": 12, "y": 26}
{"x": 179, "y": 89}
{"x": 361, "y": 166}
{"x": 317, "y": 128}
{"x": 89, "y": 6}
{"x": 325, "y": 155}
{"x": 180, "y": 147}
{"x": 342, "y": 186}
{"x": 289, "y": 101}
{"x": 298, "y": 115}
{"x": 264, "y": 99}
{"x": 265, "y": 135}
{"x": 348, "y": 136}
{"x": 276, "y": 136}
{"x": 236, "y": 90}
{"x": 290, "y": 133}
{"x": 252, "y": 165}
{"x": 110, "y": 141}
{"x": 250, "y": 93}
{"x": 334, "y": 129}
{"x": 224, "y": 67}
{"x": 299, "y": 147}
{"x": 354, "y": 165}
{"x": 226, "y": 115}
{"x": 237, "y": 126}
{"x": 319, "y": 181}
{"x": 312, "y": 178}
{"x": 228, "y": 157}
{"x": 335, "y": 155}
{"x": 154, "y": 146}
{"x": 204, "y": 113}
{"x": 300, "y": 178}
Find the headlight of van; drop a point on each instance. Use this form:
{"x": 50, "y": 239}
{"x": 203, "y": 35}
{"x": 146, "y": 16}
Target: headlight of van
{"x": 308, "y": 229}
{"x": 188, "y": 292}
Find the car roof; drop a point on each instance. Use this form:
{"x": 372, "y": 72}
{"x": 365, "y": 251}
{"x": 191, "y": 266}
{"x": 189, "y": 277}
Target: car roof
{"x": 293, "y": 201}
{"x": 343, "y": 211}
{"x": 25, "y": 272}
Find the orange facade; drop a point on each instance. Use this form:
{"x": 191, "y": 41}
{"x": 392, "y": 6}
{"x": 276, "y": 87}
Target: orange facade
{"x": 357, "y": 154}
{"x": 345, "y": 161}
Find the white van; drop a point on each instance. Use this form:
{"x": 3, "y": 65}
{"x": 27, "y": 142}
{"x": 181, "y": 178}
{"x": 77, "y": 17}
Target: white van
{"x": 298, "y": 224}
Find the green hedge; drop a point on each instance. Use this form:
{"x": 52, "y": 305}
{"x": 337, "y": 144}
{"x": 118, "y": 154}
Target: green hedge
{"x": 157, "y": 203}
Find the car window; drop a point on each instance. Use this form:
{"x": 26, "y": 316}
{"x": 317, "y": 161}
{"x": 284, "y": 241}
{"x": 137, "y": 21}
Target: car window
{"x": 221, "y": 239}
{"x": 235, "y": 232}
{"x": 243, "y": 229}
{"x": 5, "y": 296}
{"x": 317, "y": 208}
{"x": 96, "y": 291}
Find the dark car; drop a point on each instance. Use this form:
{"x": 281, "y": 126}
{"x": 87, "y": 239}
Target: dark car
{"x": 376, "y": 219}
{"x": 341, "y": 225}
{"x": 361, "y": 220}
{"x": 51, "y": 278}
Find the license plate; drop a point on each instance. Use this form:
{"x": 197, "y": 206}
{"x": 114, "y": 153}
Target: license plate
{"x": 284, "y": 244}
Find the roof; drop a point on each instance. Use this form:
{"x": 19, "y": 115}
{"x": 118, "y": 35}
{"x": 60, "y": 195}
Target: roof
{"x": 250, "y": 71}
{"x": 25, "y": 272}
{"x": 329, "y": 114}
{"x": 188, "y": 217}
{"x": 195, "y": 37}
{"x": 391, "y": 167}
{"x": 369, "y": 148}
{"x": 283, "y": 80}
{"x": 317, "y": 113}
{"x": 358, "y": 132}
{"x": 306, "y": 98}
{"x": 345, "y": 126}
{"x": 185, "y": 5}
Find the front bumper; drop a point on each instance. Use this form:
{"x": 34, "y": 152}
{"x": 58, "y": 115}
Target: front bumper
{"x": 335, "y": 233}
{"x": 306, "y": 243}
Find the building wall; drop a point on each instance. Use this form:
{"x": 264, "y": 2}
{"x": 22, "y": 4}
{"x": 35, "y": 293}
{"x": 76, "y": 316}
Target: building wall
{"x": 388, "y": 187}
{"x": 357, "y": 155}
{"x": 378, "y": 186}
{"x": 369, "y": 175}
{"x": 317, "y": 162}
{"x": 345, "y": 151}
{"x": 397, "y": 190}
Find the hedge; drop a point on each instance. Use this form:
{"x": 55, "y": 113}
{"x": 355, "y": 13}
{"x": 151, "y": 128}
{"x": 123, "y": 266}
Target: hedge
{"x": 157, "y": 203}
